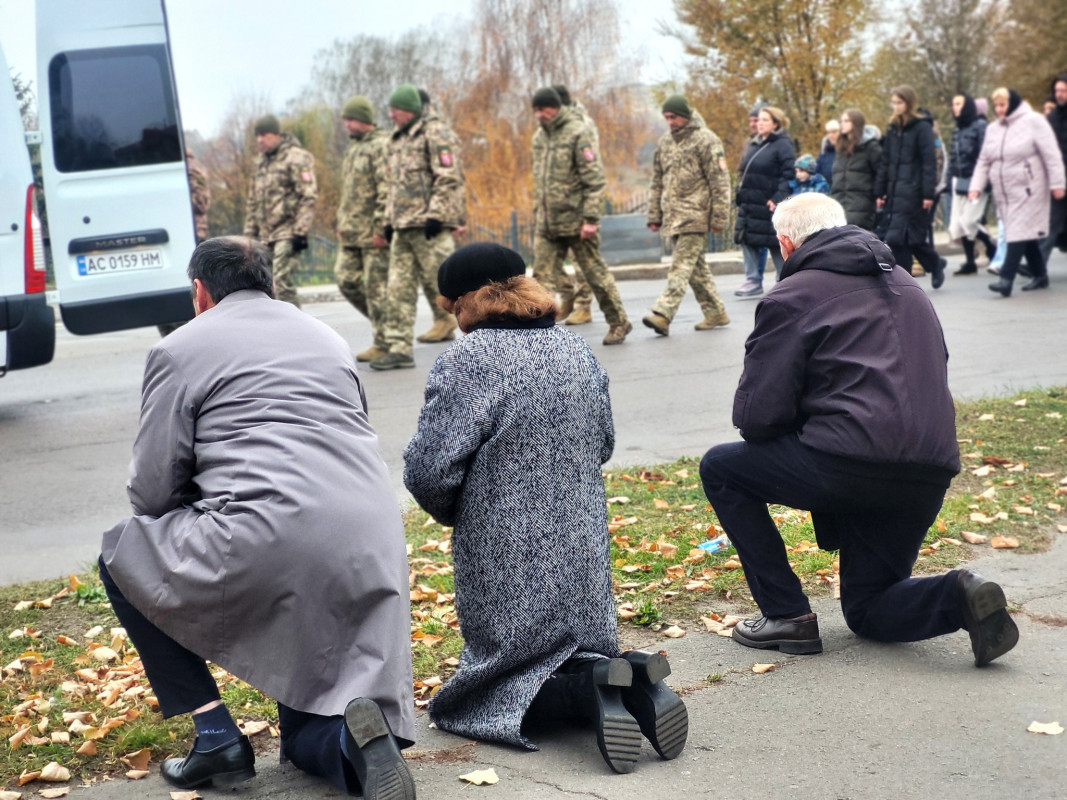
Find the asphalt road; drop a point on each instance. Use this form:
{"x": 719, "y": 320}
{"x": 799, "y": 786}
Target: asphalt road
{"x": 66, "y": 430}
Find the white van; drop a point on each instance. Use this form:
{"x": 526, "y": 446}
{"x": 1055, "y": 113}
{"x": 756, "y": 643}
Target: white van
{"x": 119, "y": 214}
{"x": 27, "y": 323}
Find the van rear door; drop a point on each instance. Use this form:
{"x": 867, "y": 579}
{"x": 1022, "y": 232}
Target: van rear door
{"x": 119, "y": 213}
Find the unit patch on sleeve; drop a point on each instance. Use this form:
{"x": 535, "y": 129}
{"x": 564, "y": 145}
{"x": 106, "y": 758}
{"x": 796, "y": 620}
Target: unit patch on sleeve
{"x": 588, "y": 153}
{"x": 444, "y": 155}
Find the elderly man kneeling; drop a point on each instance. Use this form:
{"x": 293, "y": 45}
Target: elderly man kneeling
{"x": 845, "y": 411}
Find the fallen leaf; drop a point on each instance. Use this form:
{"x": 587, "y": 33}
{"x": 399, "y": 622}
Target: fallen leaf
{"x": 1062, "y": 528}
{"x": 137, "y": 774}
{"x": 978, "y": 516}
{"x": 730, "y": 620}
{"x": 661, "y": 504}
{"x": 759, "y": 669}
{"x": 28, "y": 775}
{"x": 989, "y": 493}
{"x": 193, "y": 795}
{"x": 682, "y": 473}
{"x": 713, "y": 626}
{"x": 87, "y": 749}
{"x": 1023, "y": 510}
{"x": 728, "y": 632}
{"x": 1004, "y": 542}
{"x": 1053, "y": 506}
{"x": 93, "y": 632}
{"x": 674, "y": 632}
{"x": 252, "y": 728}
{"x": 60, "y": 737}
{"x": 481, "y": 777}
{"x": 1020, "y": 403}
{"x": 104, "y": 654}
{"x": 20, "y": 735}
{"x": 54, "y": 773}
{"x": 138, "y": 760}
{"x": 56, "y": 791}
{"x": 10, "y": 795}
{"x": 1050, "y": 728}
{"x": 986, "y": 418}
{"x": 953, "y": 542}
{"x": 621, "y": 500}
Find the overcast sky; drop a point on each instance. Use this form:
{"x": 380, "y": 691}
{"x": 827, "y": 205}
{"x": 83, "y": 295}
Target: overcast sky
{"x": 230, "y": 47}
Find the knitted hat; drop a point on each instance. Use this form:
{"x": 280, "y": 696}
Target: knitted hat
{"x": 267, "y": 124}
{"x": 807, "y": 163}
{"x": 476, "y": 265}
{"x": 360, "y": 109}
{"x": 546, "y": 97}
{"x": 677, "y": 104}
{"x": 406, "y": 98}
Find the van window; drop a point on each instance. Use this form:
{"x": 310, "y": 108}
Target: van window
{"x": 113, "y": 108}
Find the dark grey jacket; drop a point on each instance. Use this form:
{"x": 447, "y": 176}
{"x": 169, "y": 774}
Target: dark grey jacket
{"x": 907, "y": 176}
{"x": 848, "y": 354}
{"x": 854, "y": 177}
{"x": 764, "y": 174}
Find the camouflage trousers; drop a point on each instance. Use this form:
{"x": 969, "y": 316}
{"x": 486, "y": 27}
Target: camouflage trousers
{"x": 547, "y": 252}
{"x": 413, "y": 262}
{"x": 362, "y": 275}
{"x": 285, "y": 264}
{"x": 688, "y": 268}
{"x": 574, "y": 287}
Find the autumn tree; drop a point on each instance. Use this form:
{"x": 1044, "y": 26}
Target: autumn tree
{"x": 942, "y": 48}
{"x": 802, "y": 55}
{"x": 1031, "y": 47}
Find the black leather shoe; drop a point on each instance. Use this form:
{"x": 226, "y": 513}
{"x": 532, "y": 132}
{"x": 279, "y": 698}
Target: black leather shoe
{"x": 1036, "y": 283}
{"x": 967, "y": 269}
{"x": 799, "y": 635}
{"x": 985, "y": 616}
{"x": 226, "y": 766}
{"x": 594, "y": 688}
{"x": 1002, "y": 286}
{"x": 660, "y": 712}
{"x": 374, "y": 753}
{"x": 937, "y": 279}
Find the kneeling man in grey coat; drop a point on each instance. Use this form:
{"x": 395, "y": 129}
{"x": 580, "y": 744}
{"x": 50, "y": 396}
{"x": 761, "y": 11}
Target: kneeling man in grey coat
{"x": 266, "y": 538}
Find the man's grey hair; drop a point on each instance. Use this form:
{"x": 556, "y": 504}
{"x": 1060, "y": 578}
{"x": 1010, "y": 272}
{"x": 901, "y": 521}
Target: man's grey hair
{"x": 231, "y": 263}
{"x": 804, "y": 214}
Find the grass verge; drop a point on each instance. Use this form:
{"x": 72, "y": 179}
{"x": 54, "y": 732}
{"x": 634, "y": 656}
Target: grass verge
{"x": 72, "y": 682}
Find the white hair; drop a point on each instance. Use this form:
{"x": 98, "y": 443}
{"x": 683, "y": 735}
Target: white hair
{"x": 833, "y": 125}
{"x": 804, "y": 214}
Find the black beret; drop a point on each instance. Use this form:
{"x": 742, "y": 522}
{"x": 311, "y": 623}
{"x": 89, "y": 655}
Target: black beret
{"x": 476, "y": 265}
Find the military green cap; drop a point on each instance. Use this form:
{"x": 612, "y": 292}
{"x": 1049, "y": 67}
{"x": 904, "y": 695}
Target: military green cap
{"x": 546, "y": 97}
{"x": 360, "y": 109}
{"x": 677, "y": 104}
{"x": 406, "y": 98}
{"x": 267, "y": 124}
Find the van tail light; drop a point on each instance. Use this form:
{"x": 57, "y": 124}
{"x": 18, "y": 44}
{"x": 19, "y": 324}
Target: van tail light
{"x": 33, "y": 250}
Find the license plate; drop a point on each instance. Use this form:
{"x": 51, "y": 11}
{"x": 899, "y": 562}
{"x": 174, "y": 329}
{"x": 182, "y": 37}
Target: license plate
{"x": 120, "y": 262}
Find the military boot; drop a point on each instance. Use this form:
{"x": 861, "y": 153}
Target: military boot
{"x": 580, "y": 316}
{"x": 712, "y": 321}
{"x": 617, "y": 333}
{"x": 566, "y": 306}
{"x": 657, "y": 322}
{"x": 443, "y": 330}
{"x": 371, "y": 353}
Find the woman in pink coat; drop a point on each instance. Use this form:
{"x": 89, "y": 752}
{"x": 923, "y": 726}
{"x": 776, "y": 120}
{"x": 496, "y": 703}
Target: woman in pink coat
{"x": 1022, "y": 161}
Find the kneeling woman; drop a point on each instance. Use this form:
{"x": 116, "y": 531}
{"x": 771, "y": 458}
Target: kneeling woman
{"x": 516, "y": 426}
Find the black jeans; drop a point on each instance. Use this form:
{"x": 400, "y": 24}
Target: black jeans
{"x": 924, "y": 252}
{"x": 877, "y": 519}
{"x": 183, "y": 683}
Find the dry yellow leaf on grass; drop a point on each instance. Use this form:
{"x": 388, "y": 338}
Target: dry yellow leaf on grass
{"x": 759, "y": 669}
{"x": 973, "y": 538}
{"x": 93, "y": 632}
{"x": 252, "y": 728}
{"x": 481, "y": 777}
{"x": 19, "y": 736}
{"x": 981, "y": 518}
{"x": 1050, "y": 728}
{"x": 54, "y": 772}
{"x": 986, "y": 418}
{"x": 137, "y": 774}
{"x": 58, "y": 791}
{"x": 87, "y": 749}
{"x": 674, "y": 632}
{"x": 713, "y": 626}
{"x": 138, "y": 760}
{"x": 10, "y": 795}
{"x": 1004, "y": 542}
{"x": 1020, "y": 403}
{"x": 1023, "y": 510}
{"x": 620, "y": 500}
{"x": 60, "y": 737}
{"x": 661, "y": 504}
{"x": 989, "y": 493}
{"x": 682, "y": 473}
{"x": 104, "y": 654}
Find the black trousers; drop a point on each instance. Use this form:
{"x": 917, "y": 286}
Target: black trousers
{"x": 874, "y": 517}
{"x": 183, "y": 683}
{"x": 1035, "y": 260}
{"x": 924, "y": 252}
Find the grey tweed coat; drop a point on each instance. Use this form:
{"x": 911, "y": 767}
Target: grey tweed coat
{"x": 516, "y": 425}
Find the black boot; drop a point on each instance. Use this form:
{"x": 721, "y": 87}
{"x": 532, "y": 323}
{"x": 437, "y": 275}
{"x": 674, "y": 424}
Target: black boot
{"x": 660, "y": 712}
{"x": 1003, "y": 286}
{"x": 1036, "y": 283}
{"x": 968, "y": 267}
{"x": 593, "y": 689}
{"x": 937, "y": 277}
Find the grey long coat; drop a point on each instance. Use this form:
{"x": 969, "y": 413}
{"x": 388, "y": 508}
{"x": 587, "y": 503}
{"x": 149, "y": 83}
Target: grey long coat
{"x": 266, "y": 535}
{"x": 509, "y": 446}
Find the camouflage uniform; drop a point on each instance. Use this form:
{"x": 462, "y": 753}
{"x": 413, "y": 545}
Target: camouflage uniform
{"x": 569, "y": 191}
{"x": 362, "y": 270}
{"x": 200, "y": 195}
{"x": 425, "y": 179}
{"x": 690, "y": 196}
{"x": 281, "y": 205}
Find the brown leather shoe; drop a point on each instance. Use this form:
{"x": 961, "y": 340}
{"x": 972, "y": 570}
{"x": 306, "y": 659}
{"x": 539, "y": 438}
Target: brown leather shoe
{"x": 985, "y": 616}
{"x": 799, "y": 635}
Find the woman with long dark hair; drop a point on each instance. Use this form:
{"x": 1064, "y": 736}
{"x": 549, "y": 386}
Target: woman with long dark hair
{"x": 859, "y": 155}
{"x": 906, "y": 186}
{"x": 965, "y": 218}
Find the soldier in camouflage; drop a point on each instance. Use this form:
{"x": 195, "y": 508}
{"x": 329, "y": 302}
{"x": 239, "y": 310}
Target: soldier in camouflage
{"x": 690, "y": 196}
{"x": 362, "y": 267}
{"x": 200, "y": 196}
{"x": 426, "y": 202}
{"x": 568, "y": 197}
{"x": 281, "y": 202}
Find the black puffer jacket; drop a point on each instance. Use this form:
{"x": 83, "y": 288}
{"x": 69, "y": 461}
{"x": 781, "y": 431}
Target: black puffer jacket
{"x": 967, "y": 141}
{"x": 1057, "y": 118}
{"x": 847, "y": 353}
{"x": 854, "y": 178}
{"x": 764, "y": 174}
{"x": 908, "y": 176}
